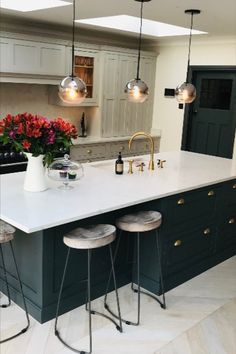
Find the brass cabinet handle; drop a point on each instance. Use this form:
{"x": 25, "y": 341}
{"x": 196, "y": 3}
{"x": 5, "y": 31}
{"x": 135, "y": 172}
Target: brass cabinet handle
{"x": 178, "y": 243}
{"x": 207, "y": 231}
{"x": 89, "y": 151}
{"x": 122, "y": 148}
{"x": 231, "y": 221}
{"x": 210, "y": 193}
{"x": 234, "y": 186}
{"x": 181, "y": 201}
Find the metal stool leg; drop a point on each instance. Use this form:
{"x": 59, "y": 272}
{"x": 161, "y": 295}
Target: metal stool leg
{"x": 138, "y": 291}
{"x": 115, "y": 286}
{"x": 93, "y": 312}
{"x": 5, "y": 279}
{"x": 110, "y": 275}
{"x": 56, "y": 331}
{"x": 23, "y": 298}
{"x": 162, "y": 304}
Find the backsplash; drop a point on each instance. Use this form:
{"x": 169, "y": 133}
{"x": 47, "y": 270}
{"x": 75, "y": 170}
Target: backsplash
{"x": 19, "y": 98}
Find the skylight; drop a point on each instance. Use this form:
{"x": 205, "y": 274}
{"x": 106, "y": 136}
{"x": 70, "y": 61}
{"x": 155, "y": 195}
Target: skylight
{"x": 132, "y": 24}
{"x": 31, "y": 5}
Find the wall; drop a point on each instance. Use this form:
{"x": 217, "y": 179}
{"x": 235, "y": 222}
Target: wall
{"x": 19, "y": 98}
{"x": 171, "y": 71}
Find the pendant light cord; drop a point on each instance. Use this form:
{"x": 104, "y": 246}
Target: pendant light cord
{"x": 140, "y": 40}
{"x": 189, "y": 46}
{"x": 73, "y": 41}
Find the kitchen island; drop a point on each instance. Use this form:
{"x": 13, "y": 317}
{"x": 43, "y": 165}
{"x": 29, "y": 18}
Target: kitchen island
{"x": 195, "y": 193}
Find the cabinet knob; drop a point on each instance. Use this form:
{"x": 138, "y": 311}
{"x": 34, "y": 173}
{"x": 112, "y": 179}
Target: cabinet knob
{"x": 207, "y": 231}
{"x": 89, "y": 151}
{"x": 122, "y": 148}
{"x": 234, "y": 186}
{"x": 181, "y": 201}
{"x": 210, "y": 193}
{"x": 231, "y": 221}
{"x": 178, "y": 243}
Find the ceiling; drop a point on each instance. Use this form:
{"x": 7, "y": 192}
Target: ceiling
{"x": 218, "y": 18}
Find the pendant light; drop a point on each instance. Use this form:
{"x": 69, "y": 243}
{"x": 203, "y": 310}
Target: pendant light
{"x": 186, "y": 92}
{"x": 72, "y": 89}
{"x": 136, "y": 89}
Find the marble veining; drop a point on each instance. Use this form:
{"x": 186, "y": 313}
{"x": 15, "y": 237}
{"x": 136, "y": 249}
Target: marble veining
{"x": 196, "y": 322}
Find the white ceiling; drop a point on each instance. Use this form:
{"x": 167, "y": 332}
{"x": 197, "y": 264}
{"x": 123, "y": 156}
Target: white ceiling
{"x": 217, "y": 17}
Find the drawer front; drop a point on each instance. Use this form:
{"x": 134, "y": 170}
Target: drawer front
{"x": 230, "y": 192}
{"x": 120, "y": 146}
{"x": 227, "y": 230}
{"x": 188, "y": 248}
{"x": 87, "y": 152}
{"x": 190, "y": 209}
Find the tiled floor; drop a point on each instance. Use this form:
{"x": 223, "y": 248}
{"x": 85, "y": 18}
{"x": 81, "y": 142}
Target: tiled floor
{"x": 200, "y": 319}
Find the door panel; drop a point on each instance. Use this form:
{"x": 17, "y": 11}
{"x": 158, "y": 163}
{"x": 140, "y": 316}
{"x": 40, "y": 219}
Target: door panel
{"x": 213, "y": 115}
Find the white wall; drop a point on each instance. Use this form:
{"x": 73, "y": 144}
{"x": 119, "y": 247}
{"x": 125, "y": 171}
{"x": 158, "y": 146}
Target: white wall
{"x": 171, "y": 71}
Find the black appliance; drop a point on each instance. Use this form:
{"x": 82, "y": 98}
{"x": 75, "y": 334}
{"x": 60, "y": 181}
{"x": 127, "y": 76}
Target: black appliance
{"x": 12, "y": 161}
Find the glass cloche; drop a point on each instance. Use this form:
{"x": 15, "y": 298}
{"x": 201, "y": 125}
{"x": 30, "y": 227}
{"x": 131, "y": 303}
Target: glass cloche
{"x": 66, "y": 171}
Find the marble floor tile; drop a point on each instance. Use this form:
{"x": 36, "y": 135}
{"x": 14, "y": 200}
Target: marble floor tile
{"x": 200, "y": 319}
{"x": 216, "y": 334}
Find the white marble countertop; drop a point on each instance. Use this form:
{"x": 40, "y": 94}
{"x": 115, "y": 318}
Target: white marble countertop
{"x": 102, "y": 191}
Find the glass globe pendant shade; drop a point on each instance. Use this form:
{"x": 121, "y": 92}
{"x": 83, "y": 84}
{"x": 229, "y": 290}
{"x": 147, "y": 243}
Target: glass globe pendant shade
{"x": 137, "y": 91}
{"x": 72, "y": 90}
{"x": 185, "y": 93}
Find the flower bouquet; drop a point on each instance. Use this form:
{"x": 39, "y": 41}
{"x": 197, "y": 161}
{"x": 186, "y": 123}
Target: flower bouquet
{"x": 37, "y": 135}
{"x": 40, "y": 139}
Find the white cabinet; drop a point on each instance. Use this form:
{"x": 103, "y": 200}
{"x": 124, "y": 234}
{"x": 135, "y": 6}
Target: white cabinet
{"x": 103, "y": 150}
{"x": 120, "y": 117}
{"x": 29, "y": 57}
{"x": 86, "y": 66}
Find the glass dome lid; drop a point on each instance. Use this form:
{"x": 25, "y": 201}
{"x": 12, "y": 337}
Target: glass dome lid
{"x": 65, "y": 170}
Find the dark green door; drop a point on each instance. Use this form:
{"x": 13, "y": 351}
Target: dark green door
{"x": 211, "y": 128}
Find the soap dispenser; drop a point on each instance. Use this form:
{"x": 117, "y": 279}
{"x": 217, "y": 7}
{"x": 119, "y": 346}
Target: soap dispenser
{"x": 119, "y": 165}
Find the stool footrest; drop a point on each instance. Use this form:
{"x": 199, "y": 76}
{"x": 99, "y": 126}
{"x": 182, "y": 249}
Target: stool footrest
{"x": 93, "y": 312}
{"x": 162, "y": 304}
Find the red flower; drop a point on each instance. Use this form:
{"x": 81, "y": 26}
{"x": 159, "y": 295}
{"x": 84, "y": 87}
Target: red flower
{"x": 26, "y": 144}
{"x": 36, "y": 134}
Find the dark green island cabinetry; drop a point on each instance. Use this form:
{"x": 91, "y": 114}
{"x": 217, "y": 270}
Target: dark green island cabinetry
{"x": 198, "y": 231}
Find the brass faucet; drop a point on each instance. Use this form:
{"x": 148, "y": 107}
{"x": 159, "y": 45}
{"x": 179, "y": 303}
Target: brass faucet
{"x": 151, "y": 162}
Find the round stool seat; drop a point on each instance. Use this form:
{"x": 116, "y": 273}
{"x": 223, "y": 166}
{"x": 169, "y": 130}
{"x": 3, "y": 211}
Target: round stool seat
{"x": 139, "y": 222}
{"x": 90, "y": 237}
{"x": 6, "y": 232}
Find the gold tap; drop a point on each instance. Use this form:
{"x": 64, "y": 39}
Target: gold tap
{"x": 151, "y": 162}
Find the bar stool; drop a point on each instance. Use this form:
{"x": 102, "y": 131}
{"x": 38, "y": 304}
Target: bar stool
{"x": 6, "y": 236}
{"x": 89, "y": 238}
{"x": 140, "y": 222}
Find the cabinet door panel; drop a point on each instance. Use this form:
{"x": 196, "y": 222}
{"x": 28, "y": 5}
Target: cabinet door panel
{"x": 25, "y": 57}
{"x": 5, "y": 55}
{"x": 188, "y": 248}
{"x": 190, "y": 209}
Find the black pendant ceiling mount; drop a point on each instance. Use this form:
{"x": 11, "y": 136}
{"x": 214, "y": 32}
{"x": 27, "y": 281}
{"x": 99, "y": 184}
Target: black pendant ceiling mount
{"x": 186, "y": 92}
{"x": 136, "y": 89}
{"x": 72, "y": 89}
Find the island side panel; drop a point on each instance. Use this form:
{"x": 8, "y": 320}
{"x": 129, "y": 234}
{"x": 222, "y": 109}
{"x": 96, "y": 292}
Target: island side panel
{"x": 28, "y": 250}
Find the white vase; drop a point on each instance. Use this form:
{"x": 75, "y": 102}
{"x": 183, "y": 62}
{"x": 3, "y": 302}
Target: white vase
{"x": 35, "y": 180}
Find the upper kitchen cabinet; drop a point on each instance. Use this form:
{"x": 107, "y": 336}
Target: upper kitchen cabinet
{"x": 86, "y": 66}
{"x": 29, "y": 57}
{"x": 120, "y": 117}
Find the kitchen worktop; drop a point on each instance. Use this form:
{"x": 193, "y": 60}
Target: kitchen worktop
{"x": 101, "y": 190}
{"x": 96, "y": 139}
